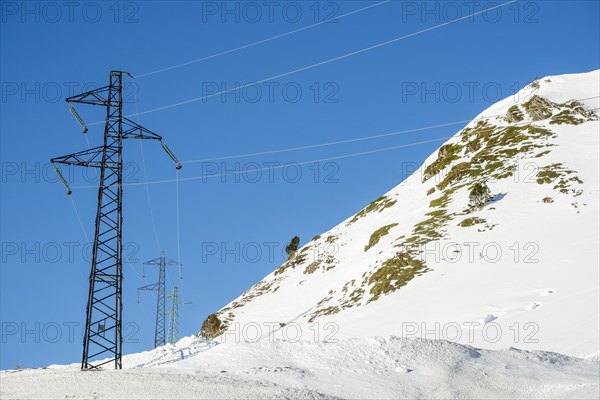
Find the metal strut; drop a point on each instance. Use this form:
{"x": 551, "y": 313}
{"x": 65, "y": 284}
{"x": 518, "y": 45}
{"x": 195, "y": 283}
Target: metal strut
{"x": 102, "y": 342}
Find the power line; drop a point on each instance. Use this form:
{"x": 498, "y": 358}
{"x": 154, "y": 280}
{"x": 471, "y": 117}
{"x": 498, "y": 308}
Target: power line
{"x": 326, "y": 144}
{"x": 87, "y": 239}
{"x": 353, "y": 53}
{"x": 325, "y": 159}
{"x": 152, "y": 219}
{"x": 178, "y": 233}
{"x": 279, "y": 166}
{"x": 358, "y": 139}
{"x": 262, "y": 41}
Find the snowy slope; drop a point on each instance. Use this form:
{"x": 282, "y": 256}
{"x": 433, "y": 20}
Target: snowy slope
{"x": 523, "y": 271}
{"x": 376, "y": 368}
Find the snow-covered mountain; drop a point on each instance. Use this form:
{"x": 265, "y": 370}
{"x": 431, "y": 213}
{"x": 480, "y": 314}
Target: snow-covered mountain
{"x": 522, "y": 271}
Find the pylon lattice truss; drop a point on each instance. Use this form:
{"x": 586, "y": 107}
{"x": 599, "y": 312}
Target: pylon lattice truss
{"x": 102, "y": 336}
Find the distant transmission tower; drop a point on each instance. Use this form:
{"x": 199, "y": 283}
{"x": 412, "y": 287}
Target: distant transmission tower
{"x": 102, "y": 337}
{"x": 174, "y": 316}
{"x": 159, "y": 332}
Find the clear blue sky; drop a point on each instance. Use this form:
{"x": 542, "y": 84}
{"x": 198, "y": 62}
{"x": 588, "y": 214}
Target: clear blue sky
{"x": 50, "y": 51}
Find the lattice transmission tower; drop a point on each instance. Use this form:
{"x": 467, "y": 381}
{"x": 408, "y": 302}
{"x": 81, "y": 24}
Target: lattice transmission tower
{"x": 161, "y": 312}
{"x": 102, "y": 342}
{"x": 174, "y": 316}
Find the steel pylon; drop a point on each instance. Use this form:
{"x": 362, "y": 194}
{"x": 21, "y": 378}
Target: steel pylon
{"x": 102, "y": 342}
{"x": 174, "y": 316}
{"x": 159, "y": 332}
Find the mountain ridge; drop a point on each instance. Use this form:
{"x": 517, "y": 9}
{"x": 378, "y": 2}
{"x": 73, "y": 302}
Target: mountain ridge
{"x": 376, "y": 258}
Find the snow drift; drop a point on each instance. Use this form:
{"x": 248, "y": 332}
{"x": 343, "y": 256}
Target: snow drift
{"x": 375, "y": 368}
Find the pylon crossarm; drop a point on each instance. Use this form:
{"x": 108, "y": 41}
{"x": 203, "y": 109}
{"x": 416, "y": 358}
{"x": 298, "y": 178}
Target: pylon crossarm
{"x": 153, "y": 286}
{"x": 95, "y": 97}
{"x": 131, "y": 130}
{"x": 86, "y": 158}
{"x": 157, "y": 261}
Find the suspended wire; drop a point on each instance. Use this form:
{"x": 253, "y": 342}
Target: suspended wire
{"x": 178, "y": 234}
{"x": 87, "y": 141}
{"x": 319, "y": 63}
{"x": 152, "y": 219}
{"x": 131, "y": 265}
{"x": 140, "y": 304}
{"x": 87, "y": 239}
{"x": 263, "y": 41}
{"x": 280, "y": 166}
{"x": 312, "y": 146}
{"x": 203, "y": 177}
{"x": 363, "y": 138}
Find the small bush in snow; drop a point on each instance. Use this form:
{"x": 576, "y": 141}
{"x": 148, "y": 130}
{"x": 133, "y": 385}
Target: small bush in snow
{"x": 479, "y": 196}
{"x": 292, "y": 246}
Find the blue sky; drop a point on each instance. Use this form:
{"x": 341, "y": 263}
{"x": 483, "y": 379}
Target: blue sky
{"x": 233, "y": 228}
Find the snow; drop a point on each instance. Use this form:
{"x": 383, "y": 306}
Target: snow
{"x": 559, "y": 89}
{"x": 376, "y": 368}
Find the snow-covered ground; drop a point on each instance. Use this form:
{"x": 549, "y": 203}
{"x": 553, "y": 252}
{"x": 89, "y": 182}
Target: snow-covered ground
{"x": 374, "y": 368}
